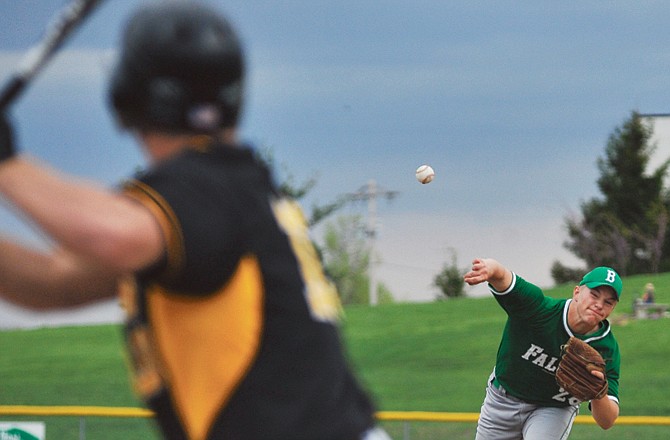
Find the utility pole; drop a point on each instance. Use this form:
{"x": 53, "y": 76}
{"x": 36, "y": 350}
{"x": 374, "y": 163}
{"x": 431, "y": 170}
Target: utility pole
{"x": 369, "y": 193}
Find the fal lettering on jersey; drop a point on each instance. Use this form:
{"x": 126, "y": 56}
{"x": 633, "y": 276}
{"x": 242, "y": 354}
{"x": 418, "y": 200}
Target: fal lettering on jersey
{"x": 536, "y": 355}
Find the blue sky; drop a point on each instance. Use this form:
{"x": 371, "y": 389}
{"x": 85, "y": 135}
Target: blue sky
{"x": 511, "y": 102}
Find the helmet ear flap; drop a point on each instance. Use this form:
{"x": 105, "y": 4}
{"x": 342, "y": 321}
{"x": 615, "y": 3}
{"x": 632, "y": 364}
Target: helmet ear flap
{"x": 230, "y": 95}
{"x": 170, "y": 103}
{"x": 166, "y": 101}
{"x": 159, "y": 100}
{"x": 230, "y": 99}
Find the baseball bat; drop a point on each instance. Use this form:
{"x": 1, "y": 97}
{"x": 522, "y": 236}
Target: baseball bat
{"x": 58, "y": 29}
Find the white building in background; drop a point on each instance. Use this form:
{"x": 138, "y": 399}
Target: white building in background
{"x": 661, "y": 124}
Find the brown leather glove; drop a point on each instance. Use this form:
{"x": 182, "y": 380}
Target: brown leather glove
{"x": 578, "y": 359}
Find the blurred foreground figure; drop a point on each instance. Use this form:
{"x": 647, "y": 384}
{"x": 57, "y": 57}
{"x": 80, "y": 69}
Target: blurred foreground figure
{"x": 231, "y": 323}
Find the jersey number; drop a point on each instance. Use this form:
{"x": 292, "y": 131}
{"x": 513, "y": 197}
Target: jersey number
{"x": 564, "y": 396}
{"x": 320, "y": 293}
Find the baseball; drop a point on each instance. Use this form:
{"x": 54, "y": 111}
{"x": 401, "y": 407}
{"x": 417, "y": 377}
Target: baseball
{"x": 425, "y": 174}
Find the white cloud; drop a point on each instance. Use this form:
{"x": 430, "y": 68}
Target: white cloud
{"x": 84, "y": 66}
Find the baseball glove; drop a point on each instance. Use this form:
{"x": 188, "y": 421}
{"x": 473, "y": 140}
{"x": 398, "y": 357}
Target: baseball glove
{"x": 578, "y": 359}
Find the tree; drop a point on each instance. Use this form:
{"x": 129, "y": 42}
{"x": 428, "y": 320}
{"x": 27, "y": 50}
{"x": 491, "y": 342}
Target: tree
{"x": 625, "y": 228}
{"x": 289, "y": 187}
{"x": 563, "y": 275}
{"x": 450, "y": 279}
{"x": 346, "y": 258}
{"x": 653, "y": 244}
{"x": 345, "y": 255}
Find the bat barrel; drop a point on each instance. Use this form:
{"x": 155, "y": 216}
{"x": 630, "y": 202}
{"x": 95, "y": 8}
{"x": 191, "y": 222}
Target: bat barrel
{"x": 38, "y": 56}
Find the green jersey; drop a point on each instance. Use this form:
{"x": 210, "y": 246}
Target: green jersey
{"x": 531, "y": 343}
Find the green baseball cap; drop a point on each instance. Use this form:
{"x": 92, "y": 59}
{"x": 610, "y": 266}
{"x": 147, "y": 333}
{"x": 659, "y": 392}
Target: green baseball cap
{"x": 603, "y": 276}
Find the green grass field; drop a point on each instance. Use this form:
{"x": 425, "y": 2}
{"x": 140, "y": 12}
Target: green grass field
{"x": 412, "y": 357}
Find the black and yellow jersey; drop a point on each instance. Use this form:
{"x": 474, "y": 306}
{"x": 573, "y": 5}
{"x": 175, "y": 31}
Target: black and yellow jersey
{"x": 234, "y": 334}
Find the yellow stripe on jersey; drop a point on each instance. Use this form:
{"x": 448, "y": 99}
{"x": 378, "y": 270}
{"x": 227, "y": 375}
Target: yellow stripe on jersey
{"x": 208, "y": 343}
{"x": 166, "y": 218}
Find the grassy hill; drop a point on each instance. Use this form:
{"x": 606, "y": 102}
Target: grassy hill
{"x": 428, "y": 357}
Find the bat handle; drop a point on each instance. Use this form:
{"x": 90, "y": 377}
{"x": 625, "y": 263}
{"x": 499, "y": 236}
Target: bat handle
{"x": 10, "y": 91}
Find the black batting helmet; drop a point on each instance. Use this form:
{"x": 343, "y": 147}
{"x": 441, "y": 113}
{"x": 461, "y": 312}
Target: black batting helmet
{"x": 180, "y": 70}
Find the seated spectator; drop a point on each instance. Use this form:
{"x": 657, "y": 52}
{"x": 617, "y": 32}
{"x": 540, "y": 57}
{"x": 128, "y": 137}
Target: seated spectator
{"x": 648, "y": 295}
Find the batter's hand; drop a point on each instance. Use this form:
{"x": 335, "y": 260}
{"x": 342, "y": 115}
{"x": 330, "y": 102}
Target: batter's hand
{"x": 7, "y": 149}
